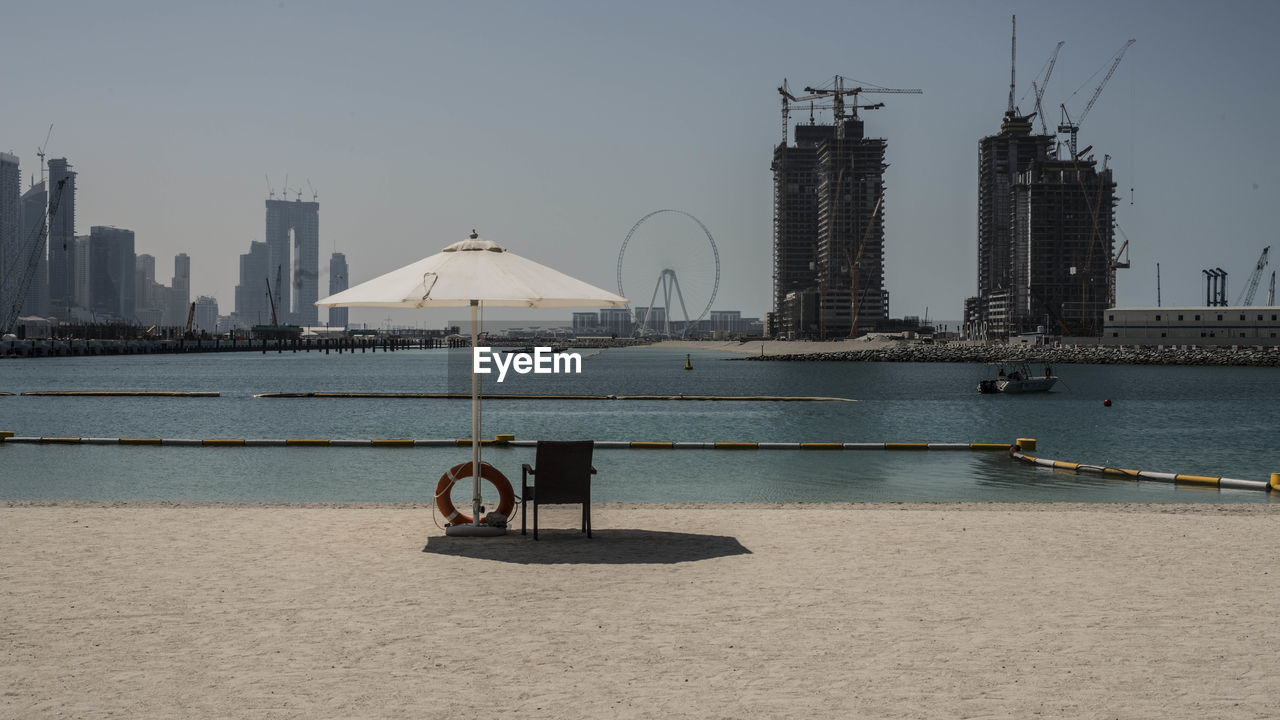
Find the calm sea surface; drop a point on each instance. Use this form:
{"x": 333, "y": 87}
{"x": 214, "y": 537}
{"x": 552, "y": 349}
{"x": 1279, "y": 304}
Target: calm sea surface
{"x": 1204, "y": 421}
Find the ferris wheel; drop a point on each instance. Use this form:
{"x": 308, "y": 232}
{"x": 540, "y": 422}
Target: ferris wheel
{"x": 679, "y": 260}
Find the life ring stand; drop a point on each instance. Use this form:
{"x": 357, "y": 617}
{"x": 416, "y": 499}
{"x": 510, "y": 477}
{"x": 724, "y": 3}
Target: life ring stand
{"x": 444, "y": 503}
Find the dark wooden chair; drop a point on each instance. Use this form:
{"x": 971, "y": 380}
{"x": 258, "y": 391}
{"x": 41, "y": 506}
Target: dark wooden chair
{"x": 563, "y": 476}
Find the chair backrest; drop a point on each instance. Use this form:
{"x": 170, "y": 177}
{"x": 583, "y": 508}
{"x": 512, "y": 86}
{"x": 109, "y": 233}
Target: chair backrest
{"x": 563, "y": 471}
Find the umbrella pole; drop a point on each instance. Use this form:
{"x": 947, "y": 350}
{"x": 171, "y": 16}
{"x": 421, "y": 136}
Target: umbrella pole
{"x": 475, "y": 420}
{"x": 475, "y": 529}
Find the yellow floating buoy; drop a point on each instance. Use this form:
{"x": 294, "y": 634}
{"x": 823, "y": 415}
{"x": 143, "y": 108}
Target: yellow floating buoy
{"x": 688, "y": 363}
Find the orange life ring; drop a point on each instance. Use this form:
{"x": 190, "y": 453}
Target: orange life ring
{"x": 444, "y": 503}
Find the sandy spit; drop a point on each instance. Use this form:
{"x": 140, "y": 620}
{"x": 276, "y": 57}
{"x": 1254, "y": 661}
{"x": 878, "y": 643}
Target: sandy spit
{"x": 161, "y": 610}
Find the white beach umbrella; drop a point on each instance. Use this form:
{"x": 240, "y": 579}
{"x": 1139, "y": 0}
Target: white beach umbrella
{"x": 475, "y": 273}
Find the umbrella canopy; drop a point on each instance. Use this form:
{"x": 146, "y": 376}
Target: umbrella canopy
{"x": 473, "y": 272}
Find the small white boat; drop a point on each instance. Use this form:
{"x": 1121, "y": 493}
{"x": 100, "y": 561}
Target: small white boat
{"x": 1019, "y": 380}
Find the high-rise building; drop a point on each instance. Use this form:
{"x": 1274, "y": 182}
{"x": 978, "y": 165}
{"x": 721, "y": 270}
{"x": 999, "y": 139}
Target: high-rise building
{"x": 585, "y": 322}
{"x": 1044, "y": 237}
{"x": 62, "y": 236}
{"x": 1001, "y": 157}
{"x": 144, "y": 277}
{"x": 795, "y": 212}
{"x": 12, "y": 265}
{"x": 338, "y": 281}
{"x": 1063, "y": 238}
{"x": 83, "y": 281}
{"x": 616, "y": 321}
{"x": 179, "y": 292}
{"x": 33, "y": 219}
{"x": 651, "y": 320}
{"x": 252, "y": 305}
{"x": 112, "y": 263}
{"x": 293, "y": 242}
{"x": 151, "y": 297}
{"x": 828, "y": 230}
{"x": 205, "y": 318}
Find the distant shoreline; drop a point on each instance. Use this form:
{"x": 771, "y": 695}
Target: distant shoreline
{"x": 881, "y": 350}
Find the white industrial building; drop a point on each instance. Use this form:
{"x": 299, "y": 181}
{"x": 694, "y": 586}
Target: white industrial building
{"x": 1204, "y": 325}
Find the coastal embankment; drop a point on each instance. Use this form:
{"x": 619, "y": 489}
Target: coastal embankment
{"x": 78, "y": 347}
{"x": 880, "y": 350}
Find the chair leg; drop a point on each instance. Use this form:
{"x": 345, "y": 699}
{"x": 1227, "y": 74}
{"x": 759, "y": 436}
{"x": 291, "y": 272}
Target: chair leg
{"x": 535, "y": 519}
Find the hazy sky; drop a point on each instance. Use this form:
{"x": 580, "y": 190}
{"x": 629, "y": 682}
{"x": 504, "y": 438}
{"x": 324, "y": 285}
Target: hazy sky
{"x": 552, "y": 127}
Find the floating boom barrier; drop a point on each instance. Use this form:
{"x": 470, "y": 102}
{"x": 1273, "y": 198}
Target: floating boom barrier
{"x": 1015, "y": 450}
{"x": 498, "y": 441}
{"x": 116, "y": 393}
{"x": 498, "y": 396}
{"x": 1175, "y": 478}
{"x": 433, "y": 396}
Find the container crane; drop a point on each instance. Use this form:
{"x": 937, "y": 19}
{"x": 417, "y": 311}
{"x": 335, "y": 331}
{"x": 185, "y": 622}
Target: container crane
{"x": 1067, "y": 126}
{"x": 1246, "y": 297}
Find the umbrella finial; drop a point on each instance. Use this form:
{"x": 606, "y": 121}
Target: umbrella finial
{"x": 473, "y": 234}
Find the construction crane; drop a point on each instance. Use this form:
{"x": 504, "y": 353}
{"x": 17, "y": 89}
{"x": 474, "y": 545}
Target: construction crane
{"x": 1271, "y": 293}
{"x": 279, "y": 284}
{"x": 833, "y": 99}
{"x": 272, "y": 298}
{"x": 1039, "y": 91}
{"x": 1117, "y": 264}
{"x": 1246, "y": 297}
{"x": 34, "y": 250}
{"x": 855, "y": 266}
{"x": 1073, "y": 128}
{"x": 191, "y": 317}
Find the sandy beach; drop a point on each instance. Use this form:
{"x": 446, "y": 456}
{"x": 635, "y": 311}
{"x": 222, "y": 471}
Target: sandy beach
{"x": 708, "y": 611}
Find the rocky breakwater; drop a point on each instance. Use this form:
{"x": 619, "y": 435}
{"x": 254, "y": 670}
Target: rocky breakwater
{"x": 1083, "y": 354}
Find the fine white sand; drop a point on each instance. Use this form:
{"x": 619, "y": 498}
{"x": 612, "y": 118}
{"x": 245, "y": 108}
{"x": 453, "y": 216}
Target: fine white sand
{"x": 707, "y": 611}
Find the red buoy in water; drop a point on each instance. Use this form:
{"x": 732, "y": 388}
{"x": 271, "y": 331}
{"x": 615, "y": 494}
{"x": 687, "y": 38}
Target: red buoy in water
{"x": 1107, "y": 402}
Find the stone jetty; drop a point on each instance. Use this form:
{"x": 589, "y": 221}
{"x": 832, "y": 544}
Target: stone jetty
{"x": 1068, "y": 354}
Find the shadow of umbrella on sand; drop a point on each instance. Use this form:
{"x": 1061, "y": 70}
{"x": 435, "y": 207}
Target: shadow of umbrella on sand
{"x": 608, "y": 547}
{"x": 475, "y": 273}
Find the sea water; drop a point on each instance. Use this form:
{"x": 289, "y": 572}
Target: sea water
{"x": 1194, "y": 420}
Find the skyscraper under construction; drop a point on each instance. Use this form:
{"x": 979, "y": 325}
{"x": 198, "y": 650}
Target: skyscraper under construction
{"x": 295, "y": 223}
{"x": 1045, "y": 237}
{"x": 828, "y": 219}
{"x": 1045, "y": 226}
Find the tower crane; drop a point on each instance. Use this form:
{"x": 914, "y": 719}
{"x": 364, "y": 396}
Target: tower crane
{"x": 1117, "y": 264}
{"x": 1073, "y": 127}
{"x": 1246, "y": 297}
{"x": 833, "y": 98}
{"x": 34, "y": 250}
{"x": 1039, "y": 91}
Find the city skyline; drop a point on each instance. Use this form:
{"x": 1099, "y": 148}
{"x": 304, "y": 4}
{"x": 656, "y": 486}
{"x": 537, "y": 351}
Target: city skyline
{"x": 409, "y": 148}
